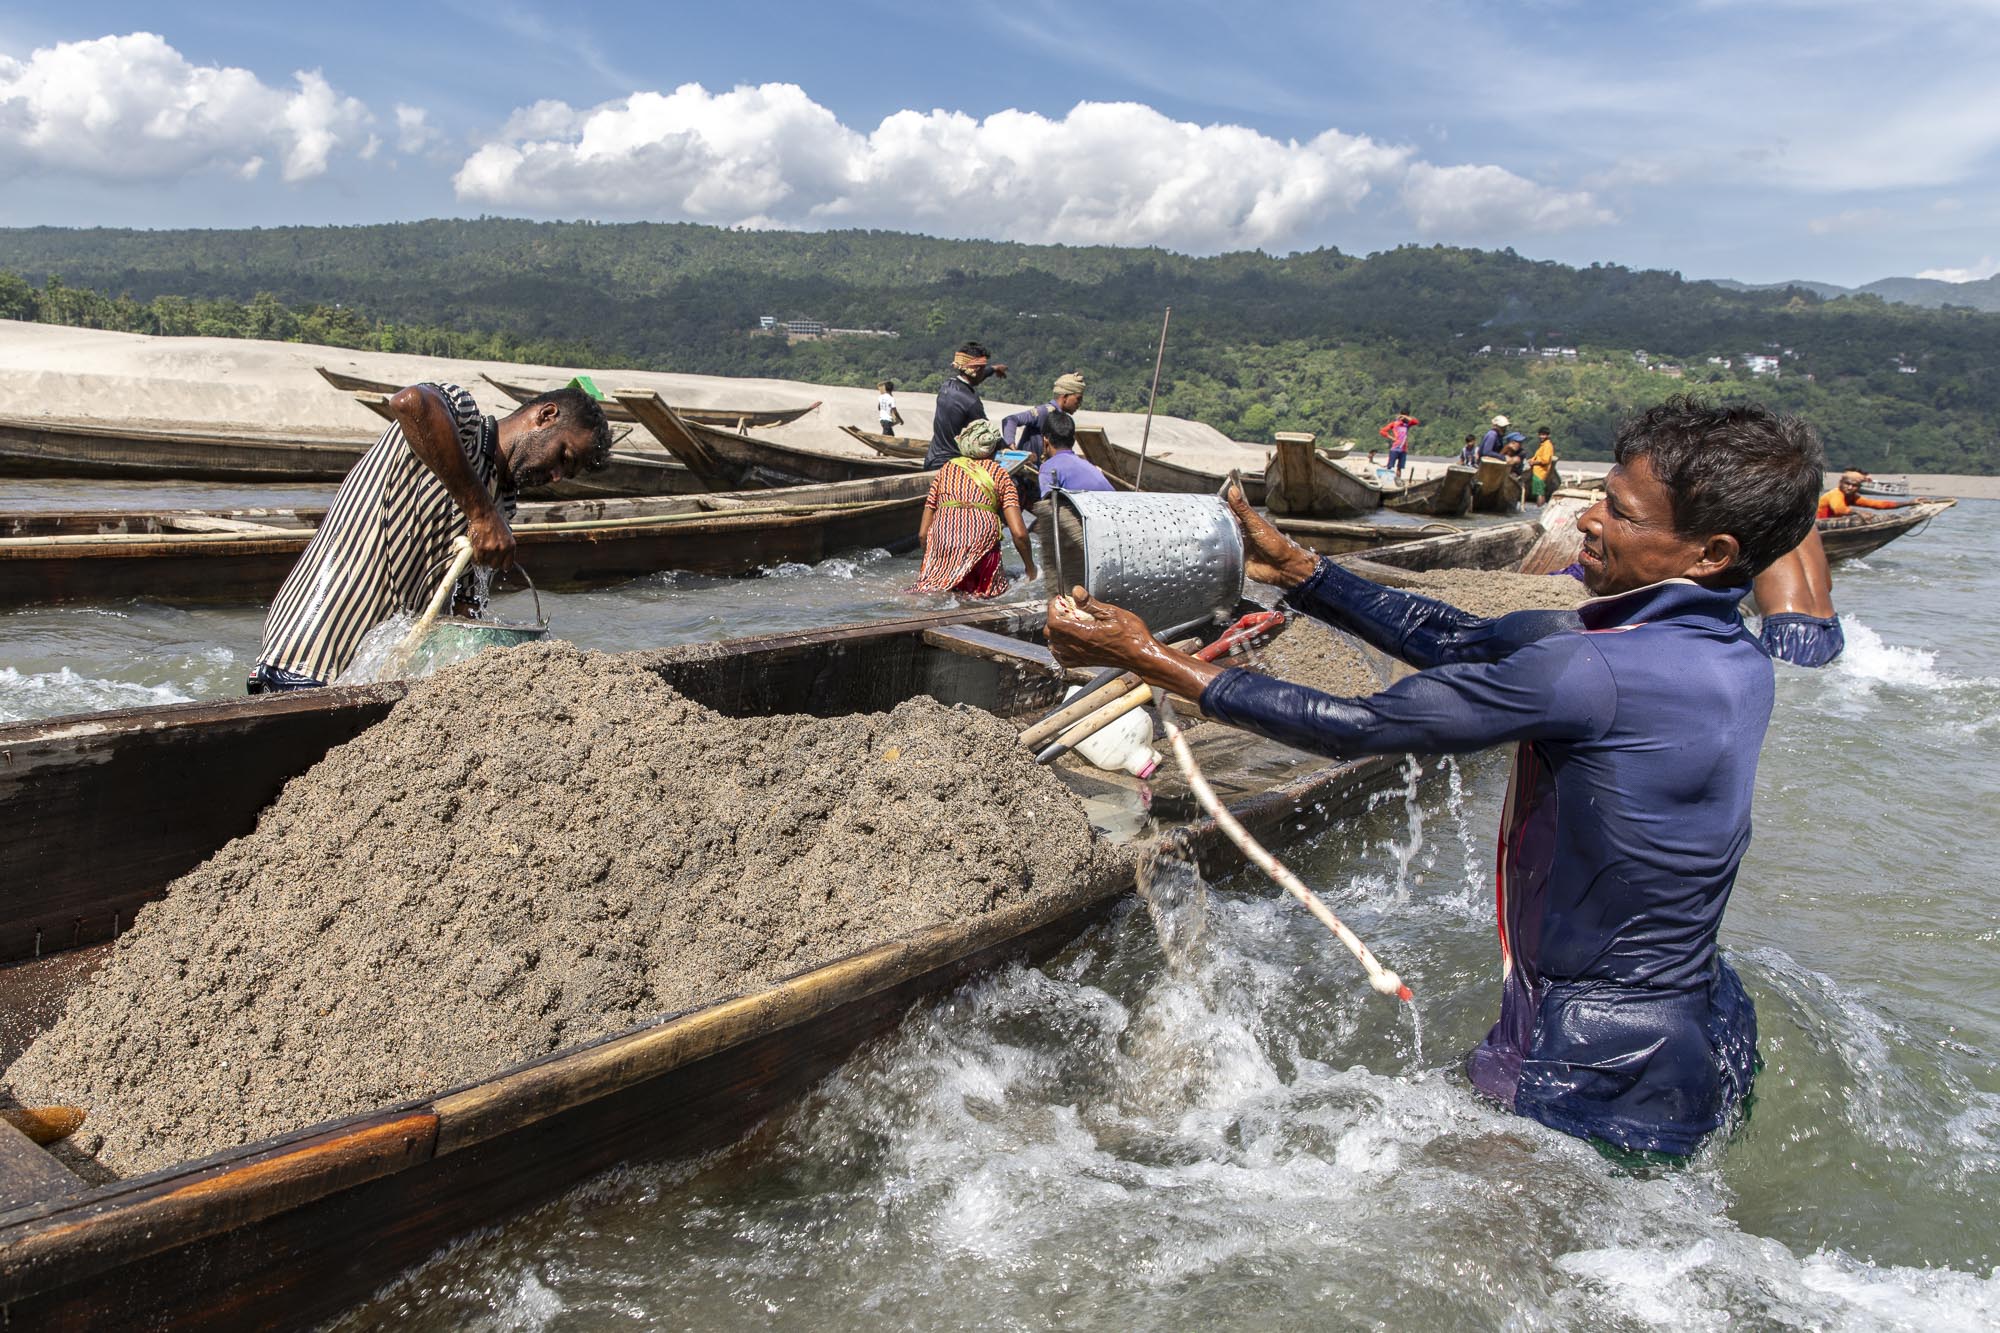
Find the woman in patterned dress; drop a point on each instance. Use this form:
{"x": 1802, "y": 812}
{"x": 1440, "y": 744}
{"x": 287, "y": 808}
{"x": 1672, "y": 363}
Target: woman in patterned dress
{"x": 971, "y": 497}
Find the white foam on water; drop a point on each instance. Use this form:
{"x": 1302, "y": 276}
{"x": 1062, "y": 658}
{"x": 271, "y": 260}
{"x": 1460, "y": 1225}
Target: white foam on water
{"x": 24, "y": 697}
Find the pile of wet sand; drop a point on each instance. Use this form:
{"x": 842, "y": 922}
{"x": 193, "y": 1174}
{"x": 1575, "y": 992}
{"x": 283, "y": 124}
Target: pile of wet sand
{"x": 1491, "y": 593}
{"x": 1330, "y": 660}
{"x": 535, "y": 848}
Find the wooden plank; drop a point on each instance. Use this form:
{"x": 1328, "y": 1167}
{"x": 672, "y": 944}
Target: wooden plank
{"x": 651, "y": 411}
{"x": 128, "y": 1221}
{"x": 28, "y": 1175}
{"x": 971, "y": 641}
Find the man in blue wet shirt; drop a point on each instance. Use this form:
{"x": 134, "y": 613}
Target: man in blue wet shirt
{"x": 1637, "y": 722}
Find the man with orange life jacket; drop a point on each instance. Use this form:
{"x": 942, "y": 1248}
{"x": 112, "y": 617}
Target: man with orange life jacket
{"x": 1846, "y": 497}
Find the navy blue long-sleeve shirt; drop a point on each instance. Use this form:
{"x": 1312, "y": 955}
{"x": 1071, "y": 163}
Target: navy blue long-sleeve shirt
{"x": 1638, "y": 721}
{"x": 958, "y": 406}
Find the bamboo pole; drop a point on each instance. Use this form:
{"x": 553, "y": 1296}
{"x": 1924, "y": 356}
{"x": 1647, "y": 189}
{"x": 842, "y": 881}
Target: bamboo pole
{"x": 1145, "y": 436}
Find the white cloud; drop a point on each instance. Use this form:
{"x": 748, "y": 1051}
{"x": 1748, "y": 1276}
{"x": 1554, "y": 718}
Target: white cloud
{"x": 132, "y": 108}
{"x": 1850, "y": 220}
{"x": 414, "y": 132}
{"x": 1106, "y": 172}
{"x": 1490, "y": 201}
{"x": 1985, "y": 268}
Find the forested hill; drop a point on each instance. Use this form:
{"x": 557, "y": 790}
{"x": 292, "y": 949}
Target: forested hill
{"x": 1317, "y": 341}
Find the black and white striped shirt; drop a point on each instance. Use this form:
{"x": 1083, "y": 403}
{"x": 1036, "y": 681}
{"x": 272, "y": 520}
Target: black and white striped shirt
{"x": 381, "y": 549}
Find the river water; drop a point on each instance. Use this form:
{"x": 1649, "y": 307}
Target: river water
{"x": 1239, "y": 1132}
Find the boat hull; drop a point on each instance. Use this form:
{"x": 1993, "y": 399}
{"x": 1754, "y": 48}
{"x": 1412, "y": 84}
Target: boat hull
{"x": 1861, "y": 533}
{"x": 726, "y": 534}
{"x": 1301, "y": 483}
{"x": 1159, "y": 474}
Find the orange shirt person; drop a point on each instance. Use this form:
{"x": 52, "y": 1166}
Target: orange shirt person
{"x": 1847, "y": 496}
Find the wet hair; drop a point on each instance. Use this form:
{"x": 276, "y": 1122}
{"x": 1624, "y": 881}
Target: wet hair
{"x": 974, "y": 350}
{"x": 1060, "y": 429}
{"x": 1740, "y": 469}
{"x": 577, "y": 410}
{"x": 887, "y": 386}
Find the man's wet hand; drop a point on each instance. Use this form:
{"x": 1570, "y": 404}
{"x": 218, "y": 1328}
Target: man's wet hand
{"x": 1269, "y": 556}
{"x": 492, "y": 540}
{"x": 1083, "y": 632}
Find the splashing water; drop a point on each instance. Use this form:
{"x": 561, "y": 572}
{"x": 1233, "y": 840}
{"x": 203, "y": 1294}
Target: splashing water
{"x": 1176, "y": 898}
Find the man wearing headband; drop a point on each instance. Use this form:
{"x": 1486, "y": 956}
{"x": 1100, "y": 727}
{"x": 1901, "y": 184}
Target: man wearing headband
{"x": 1847, "y": 497}
{"x": 1027, "y": 428}
{"x": 958, "y": 403}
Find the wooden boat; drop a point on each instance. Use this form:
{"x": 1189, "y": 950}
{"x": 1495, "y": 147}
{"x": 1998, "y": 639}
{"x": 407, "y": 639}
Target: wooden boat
{"x": 1334, "y": 536}
{"x": 102, "y": 811}
{"x": 1447, "y": 495}
{"x": 739, "y": 420}
{"x": 629, "y": 472}
{"x": 1868, "y": 530}
{"x": 1497, "y": 490}
{"x": 1303, "y": 482}
{"x": 347, "y": 383}
{"x": 47, "y": 447}
{"x": 727, "y": 460}
{"x": 890, "y": 446}
{"x": 134, "y": 451}
{"x": 1161, "y": 473}
{"x": 243, "y": 555}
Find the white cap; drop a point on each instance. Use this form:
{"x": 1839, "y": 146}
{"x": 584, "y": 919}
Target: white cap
{"x": 1502, "y": 422}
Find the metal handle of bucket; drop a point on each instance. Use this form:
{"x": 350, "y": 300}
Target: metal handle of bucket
{"x": 515, "y": 568}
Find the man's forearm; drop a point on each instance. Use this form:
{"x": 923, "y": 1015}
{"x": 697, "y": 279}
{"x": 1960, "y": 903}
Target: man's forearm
{"x": 427, "y": 427}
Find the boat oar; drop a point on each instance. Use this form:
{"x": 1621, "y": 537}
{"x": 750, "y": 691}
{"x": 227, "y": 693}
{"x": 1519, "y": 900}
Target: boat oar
{"x": 1381, "y": 978}
{"x": 460, "y": 562}
{"x": 44, "y": 1124}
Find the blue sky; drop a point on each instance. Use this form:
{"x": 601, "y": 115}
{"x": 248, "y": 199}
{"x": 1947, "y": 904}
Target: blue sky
{"x": 1830, "y": 139}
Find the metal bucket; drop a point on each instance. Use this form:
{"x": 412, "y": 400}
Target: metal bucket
{"x": 455, "y": 638}
{"x": 1172, "y": 560}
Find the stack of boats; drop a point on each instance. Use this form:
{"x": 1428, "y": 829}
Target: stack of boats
{"x": 693, "y": 489}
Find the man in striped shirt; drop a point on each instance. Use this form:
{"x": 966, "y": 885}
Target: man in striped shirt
{"x": 440, "y": 470}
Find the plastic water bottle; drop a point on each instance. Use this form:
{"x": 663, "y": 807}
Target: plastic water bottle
{"x": 1126, "y": 746}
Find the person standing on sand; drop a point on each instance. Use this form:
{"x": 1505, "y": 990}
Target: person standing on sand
{"x": 1637, "y": 721}
{"x": 1542, "y": 468}
{"x": 958, "y": 402}
{"x": 440, "y": 471}
{"x": 1026, "y": 428}
{"x": 971, "y": 499}
{"x": 885, "y": 407}
{"x": 1064, "y": 469}
{"x": 1397, "y": 433}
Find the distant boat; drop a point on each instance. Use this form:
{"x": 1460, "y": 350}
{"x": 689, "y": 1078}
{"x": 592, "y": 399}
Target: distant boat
{"x": 727, "y": 460}
{"x": 1867, "y": 530}
{"x": 1121, "y": 465}
{"x": 890, "y": 446}
{"x": 1302, "y": 481}
{"x": 1447, "y": 495}
{"x": 135, "y": 451}
{"x": 731, "y": 418}
{"x": 1497, "y": 490}
{"x": 347, "y": 383}
{"x": 244, "y": 554}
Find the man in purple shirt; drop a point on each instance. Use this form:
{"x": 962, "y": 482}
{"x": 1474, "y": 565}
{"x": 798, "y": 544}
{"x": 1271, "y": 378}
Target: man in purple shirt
{"x": 1064, "y": 468}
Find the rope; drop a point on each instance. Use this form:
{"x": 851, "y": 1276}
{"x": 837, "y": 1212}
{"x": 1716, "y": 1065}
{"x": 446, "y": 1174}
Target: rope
{"x": 1381, "y": 978}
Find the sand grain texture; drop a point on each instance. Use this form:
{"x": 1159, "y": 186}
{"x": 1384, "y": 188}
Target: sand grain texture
{"x": 535, "y": 848}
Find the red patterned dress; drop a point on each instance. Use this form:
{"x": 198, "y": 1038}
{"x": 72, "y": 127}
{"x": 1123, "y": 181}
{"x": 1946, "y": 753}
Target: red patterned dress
{"x": 965, "y": 506}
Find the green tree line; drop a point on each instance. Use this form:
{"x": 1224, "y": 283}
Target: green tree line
{"x": 1319, "y": 341}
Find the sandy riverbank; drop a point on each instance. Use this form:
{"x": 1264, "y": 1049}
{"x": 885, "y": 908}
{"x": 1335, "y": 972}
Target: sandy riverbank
{"x": 50, "y": 370}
